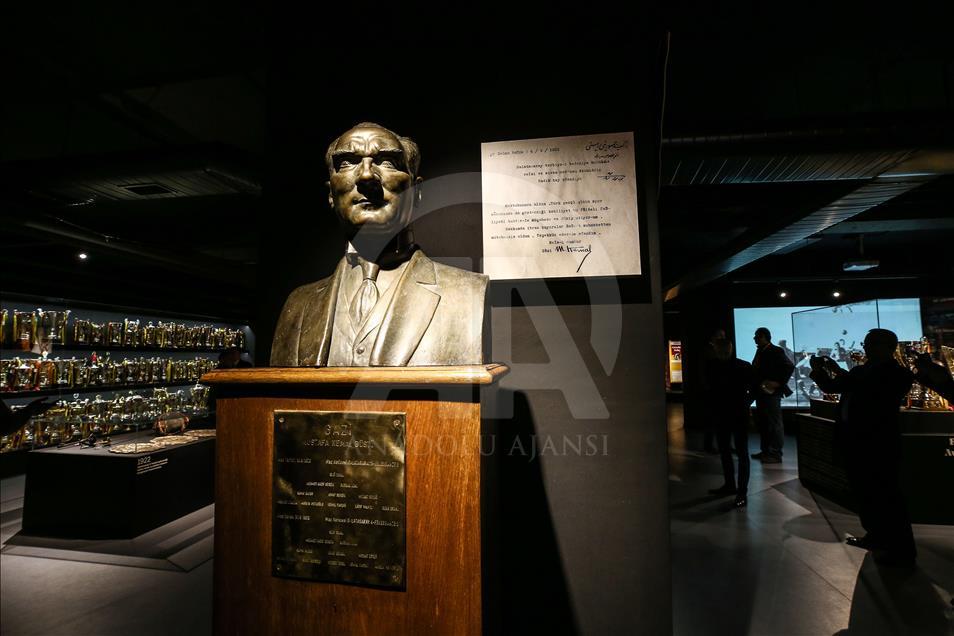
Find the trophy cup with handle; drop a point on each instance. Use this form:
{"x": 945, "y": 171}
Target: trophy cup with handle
{"x": 53, "y": 324}
{"x": 130, "y": 333}
{"x": 24, "y": 329}
{"x": 149, "y": 333}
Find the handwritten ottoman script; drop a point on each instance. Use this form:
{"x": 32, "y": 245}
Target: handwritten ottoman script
{"x": 560, "y": 207}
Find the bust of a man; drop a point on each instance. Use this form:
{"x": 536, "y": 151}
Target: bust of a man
{"x": 386, "y": 304}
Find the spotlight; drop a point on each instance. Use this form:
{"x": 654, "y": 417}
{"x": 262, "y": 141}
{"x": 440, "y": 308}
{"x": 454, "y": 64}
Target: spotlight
{"x": 82, "y": 256}
{"x": 783, "y": 294}
{"x": 836, "y": 294}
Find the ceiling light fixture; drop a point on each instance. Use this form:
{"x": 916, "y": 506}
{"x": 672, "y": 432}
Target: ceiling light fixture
{"x": 82, "y": 256}
{"x": 783, "y": 294}
{"x": 836, "y": 294}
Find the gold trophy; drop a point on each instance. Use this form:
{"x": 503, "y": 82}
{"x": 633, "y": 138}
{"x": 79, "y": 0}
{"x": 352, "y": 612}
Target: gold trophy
{"x": 131, "y": 371}
{"x": 7, "y": 375}
{"x": 149, "y": 335}
{"x": 199, "y": 395}
{"x": 164, "y": 334}
{"x": 130, "y": 333}
{"x": 206, "y": 340}
{"x": 96, "y": 376}
{"x": 151, "y": 371}
{"x": 98, "y": 334}
{"x": 111, "y": 371}
{"x": 142, "y": 375}
{"x": 180, "y": 337}
{"x": 73, "y": 421}
{"x": 45, "y": 377}
{"x": 53, "y": 324}
{"x": 98, "y": 412}
{"x": 81, "y": 332}
{"x": 80, "y": 373}
{"x": 114, "y": 334}
{"x": 133, "y": 408}
{"x": 63, "y": 372}
{"x": 24, "y": 329}
{"x": 24, "y": 374}
{"x": 56, "y": 423}
{"x": 120, "y": 372}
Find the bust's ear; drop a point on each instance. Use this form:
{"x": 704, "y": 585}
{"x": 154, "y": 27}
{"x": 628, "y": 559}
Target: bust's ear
{"x": 331, "y": 201}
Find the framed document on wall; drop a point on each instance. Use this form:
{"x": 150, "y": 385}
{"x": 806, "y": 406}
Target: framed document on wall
{"x": 560, "y": 207}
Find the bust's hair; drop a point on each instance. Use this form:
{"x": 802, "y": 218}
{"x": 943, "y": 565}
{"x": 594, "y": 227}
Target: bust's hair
{"x": 412, "y": 155}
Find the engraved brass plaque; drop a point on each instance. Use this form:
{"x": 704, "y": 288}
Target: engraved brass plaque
{"x": 338, "y": 502}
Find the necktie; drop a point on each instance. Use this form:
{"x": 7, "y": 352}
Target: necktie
{"x": 366, "y": 296}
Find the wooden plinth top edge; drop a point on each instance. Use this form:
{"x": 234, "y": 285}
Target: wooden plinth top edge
{"x": 467, "y": 374}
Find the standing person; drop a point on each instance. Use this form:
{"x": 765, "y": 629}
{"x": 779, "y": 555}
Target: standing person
{"x": 709, "y": 434}
{"x": 771, "y": 371}
{"x": 730, "y": 380}
{"x": 868, "y": 433}
{"x": 231, "y": 358}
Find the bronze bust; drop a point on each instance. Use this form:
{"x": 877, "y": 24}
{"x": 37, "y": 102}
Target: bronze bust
{"x": 386, "y": 304}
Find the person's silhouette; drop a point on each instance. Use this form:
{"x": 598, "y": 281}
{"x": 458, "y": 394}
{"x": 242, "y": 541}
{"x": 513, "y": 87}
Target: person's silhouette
{"x": 730, "y": 379}
{"x": 868, "y": 432}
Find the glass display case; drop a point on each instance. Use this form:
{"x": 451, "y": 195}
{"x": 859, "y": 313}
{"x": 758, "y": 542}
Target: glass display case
{"x": 106, "y": 373}
{"x": 839, "y": 331}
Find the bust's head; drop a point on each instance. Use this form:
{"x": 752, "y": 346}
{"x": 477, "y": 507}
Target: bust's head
{"x": 372, "y": 171}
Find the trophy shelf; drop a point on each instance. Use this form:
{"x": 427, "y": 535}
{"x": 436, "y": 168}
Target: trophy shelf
{"x": 66, "y": 348}
{"x": 93, "y": 389}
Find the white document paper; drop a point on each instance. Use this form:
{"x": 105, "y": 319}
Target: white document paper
{"x": 560, "y": 207}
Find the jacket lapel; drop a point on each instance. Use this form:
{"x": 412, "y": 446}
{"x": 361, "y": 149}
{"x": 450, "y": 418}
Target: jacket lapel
{"x": 318, "y": 320}
{"x": 408, "y": 315}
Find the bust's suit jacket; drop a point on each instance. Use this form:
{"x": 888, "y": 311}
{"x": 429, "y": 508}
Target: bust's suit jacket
{"x": 435, "y": 317}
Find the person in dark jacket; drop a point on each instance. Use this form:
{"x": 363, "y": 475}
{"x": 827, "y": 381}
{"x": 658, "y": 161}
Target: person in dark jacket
{"x": 709, "y": 433}
{"x": 730, "y": 379}
{"x": 868, "y": 433}
{"x": 771, "y": 371}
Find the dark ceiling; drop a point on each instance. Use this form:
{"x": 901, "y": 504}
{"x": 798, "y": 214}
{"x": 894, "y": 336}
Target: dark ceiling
{"x": 141, "y": 138}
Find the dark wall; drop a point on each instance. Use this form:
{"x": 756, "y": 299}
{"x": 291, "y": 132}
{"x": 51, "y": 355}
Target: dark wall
{"x": 582, "y": 534}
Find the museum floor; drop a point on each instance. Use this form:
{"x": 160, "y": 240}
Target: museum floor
{"x": 780, "y": 568}
{"x": 776, "y": 568}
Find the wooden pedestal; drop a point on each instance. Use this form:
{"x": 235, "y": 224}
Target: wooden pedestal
{"x": 442, "y": 479}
